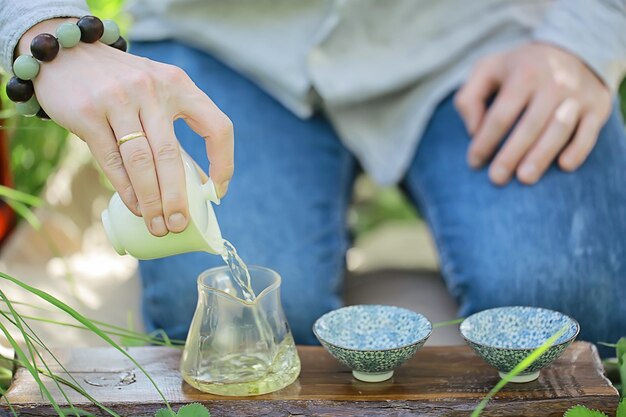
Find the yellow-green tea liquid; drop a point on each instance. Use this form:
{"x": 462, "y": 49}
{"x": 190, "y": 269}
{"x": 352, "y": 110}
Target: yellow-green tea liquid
{"x": 283, "y": 370}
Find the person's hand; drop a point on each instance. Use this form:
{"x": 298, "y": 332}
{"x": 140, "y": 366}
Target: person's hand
{"x": 557, "y": 104}
{"x": 102, "y": 94}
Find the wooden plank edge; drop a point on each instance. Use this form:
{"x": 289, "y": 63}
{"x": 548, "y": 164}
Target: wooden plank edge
{"x": 554, "y": 407}
{"x": 599, "y": 367}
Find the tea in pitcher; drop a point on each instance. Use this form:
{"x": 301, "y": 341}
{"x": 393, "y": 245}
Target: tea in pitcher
{"x": 237, "y": 346}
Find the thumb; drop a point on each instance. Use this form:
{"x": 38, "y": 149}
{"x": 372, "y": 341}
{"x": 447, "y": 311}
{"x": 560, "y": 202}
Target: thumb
{"x": 207, "y": 120}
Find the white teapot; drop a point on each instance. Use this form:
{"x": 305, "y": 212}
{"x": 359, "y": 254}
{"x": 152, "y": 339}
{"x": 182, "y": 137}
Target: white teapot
{"x": 129, "y": 235}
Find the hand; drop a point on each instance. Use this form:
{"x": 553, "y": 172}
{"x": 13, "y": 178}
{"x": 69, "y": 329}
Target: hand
{"x": 101, "y": 94}
{"x": 555, "y": 96}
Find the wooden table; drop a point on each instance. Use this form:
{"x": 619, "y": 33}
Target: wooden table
{"x": 438, "y": 381}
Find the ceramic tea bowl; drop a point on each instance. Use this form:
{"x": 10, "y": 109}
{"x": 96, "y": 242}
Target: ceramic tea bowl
{"x": 505, "y": 336}
{"x": 372, "y": 340}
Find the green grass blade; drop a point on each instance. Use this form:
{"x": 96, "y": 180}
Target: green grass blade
{"x": 76, "y": 387}
{"x": 129, "y": 341}
{"x": 81, "y": 319}
{"x": 15, "y": 195}
{"x": 11, "y": 408}
{"x": 24, "y": 212}
{"x": 35, "y": 338}
{"x": 535, "y": 354}
{"x": 32, "y": 339}
{"x": 79, "y": 412}
{"x": 6, "y": 375}
{"x": 164, "y": 412}
{"x": 136, "y": 336}
{"x": 152, "y": 338}
{"x": 17, "y": 324}
{"x": 34, "y": 353}
{"x": 31, "y": 369}
{"x": 448, "y": 323}
{"x": 159, "y": 334}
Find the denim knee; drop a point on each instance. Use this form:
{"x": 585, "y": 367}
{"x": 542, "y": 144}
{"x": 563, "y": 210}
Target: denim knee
{"x": 582, "y": 285}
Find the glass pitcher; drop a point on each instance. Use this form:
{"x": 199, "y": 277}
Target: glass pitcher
{"x": 238, "y": 347}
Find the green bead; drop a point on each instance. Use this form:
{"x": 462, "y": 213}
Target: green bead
{"x": 68, "y": 35}
{"x": 111, "y": 32}
{"x": 28, "y": 108}
{"x": 26, "y": 67}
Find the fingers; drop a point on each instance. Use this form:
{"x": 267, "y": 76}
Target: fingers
{"x": 203, "y": 116}
{"x": 521, "y": 139}
{"x": 104, "y": 148}
{"x": 168, "y": 164}
{"x": 220, "y": 151}
{"x": 556, "y": 135}
{"x": 471, "y": 99}
{"x": 507, "y": 107}
{"x": 141, "y": 169}
{"x": 584, "y": 140}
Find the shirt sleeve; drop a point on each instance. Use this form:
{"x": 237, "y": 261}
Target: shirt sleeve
{"x": 594, "y": 30}
{"x": 17, "y": 16}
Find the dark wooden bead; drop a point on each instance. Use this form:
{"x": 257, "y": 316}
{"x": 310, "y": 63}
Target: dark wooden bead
{"x": 120, "y": 44}
{"x": 91, "y": 29}
{"x": 44, "y": 47}
{"x": 42, "y": 114}
{"x": 19, "y": 90}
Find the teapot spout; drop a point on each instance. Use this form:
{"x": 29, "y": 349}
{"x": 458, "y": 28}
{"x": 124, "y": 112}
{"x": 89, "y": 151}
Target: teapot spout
{"x": 209, "y": 192}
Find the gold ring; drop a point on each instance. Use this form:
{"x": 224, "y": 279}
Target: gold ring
{"x": 130, "y": 136}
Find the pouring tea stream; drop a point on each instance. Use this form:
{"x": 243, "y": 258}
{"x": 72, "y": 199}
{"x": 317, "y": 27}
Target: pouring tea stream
{"x": 230, "y": 323}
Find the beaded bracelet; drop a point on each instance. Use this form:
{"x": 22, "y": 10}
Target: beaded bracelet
{"x": 45, "y": 47}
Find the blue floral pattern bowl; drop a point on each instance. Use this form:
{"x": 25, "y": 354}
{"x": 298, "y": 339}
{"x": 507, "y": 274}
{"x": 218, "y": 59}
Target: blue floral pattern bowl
{"x": 505, "y": 336}
{"x": 372, "y": 340}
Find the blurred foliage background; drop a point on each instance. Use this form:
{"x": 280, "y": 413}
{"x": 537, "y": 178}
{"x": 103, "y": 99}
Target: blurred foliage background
{"x": 37, "y": 146}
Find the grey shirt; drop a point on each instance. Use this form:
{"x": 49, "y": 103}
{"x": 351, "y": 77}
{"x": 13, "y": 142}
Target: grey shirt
{"x": 377, "y": 68}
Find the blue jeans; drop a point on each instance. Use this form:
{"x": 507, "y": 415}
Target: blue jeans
{"x": 558, "y": 244}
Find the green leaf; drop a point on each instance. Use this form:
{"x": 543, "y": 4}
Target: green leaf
{"x": 164, "y": 412}
{"x": 193, "y": 410}
{"x": 580, "y": 411}
{"x": 620, "y": 346}
{"x": 622, "y": 373}
{"x": 621, "y": 408}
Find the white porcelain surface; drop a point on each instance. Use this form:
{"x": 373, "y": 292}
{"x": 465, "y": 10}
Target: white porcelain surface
{"x": 129, "y": 235}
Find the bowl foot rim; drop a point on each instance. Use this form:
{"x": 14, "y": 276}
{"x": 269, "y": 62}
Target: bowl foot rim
{"x": 522, "y": 378}
{"x": 372, "y": 376}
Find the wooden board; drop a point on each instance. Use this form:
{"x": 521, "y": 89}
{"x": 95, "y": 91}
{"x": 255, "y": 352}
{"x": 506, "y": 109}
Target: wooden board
{"x": 438, "y": 381}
